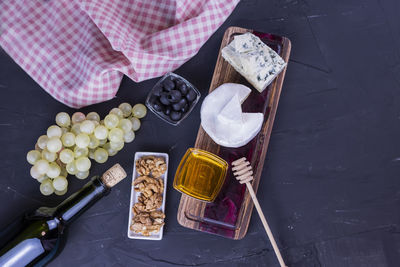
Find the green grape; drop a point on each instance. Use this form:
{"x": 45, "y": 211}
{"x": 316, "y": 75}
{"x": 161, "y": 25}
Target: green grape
{"x": 118, "y": 112}
{"x": 101, "y": 132}
{"x": 61, "y": 193}
{"x": 66, "y": 156}
{"x": 33, "y": 156}
{"x": 111, "y": 121}
{"x": 54, "y": 170}
{"x": 68, "y": 139}
{"x": 106, "y": 146}
{"x": 42, "y": 141}
{"x": 102, "y": 142}
{"x": 42, "y": 178}
{"x": 82, "y": 140}
{"x": 46, "y": 187}
{"x": 35, "y": 172}
{"x": 83, "y": 164}
{"x": 42, "y": 166}
{"x": 129, "y": 136}
{"x": 64, "y": 130}
{"x": 54, "y": 144}
{"x": 94, "y": 142}
{"x": 111, "y": 152}
{"x": 71, "y": 168}
{"x": 135, "y": 123}
{"x": 126, "y": 109}
{"x": 125, "y": 125}
{"x": 78, "y": 117}
{"x": 81, "y": 152}
{"x": 139, "y": 111}
{"x": 93, "y": 116}
{"x": 87, "y": 126}
{"x": 82, "y": 175}
{"x": 76, "y": 129}
{"x": 60, "y": 183}
{"x": 54, "y": 131}
{"x": 49, "y": 156}
{"x": 100, "y": 155}
{"x": 116, "y": 135}
{"x": 91, "y": 153}
{"x": 117, "y": 145}
{"x": 63, "y": 119}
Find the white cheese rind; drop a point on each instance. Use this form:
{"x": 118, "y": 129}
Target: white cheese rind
{"x": 254, "y": 60}
{"x": 222, "y": 117}
{"x": 232, "y": 111}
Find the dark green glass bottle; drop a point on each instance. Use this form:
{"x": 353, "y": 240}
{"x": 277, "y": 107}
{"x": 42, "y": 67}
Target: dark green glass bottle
{"x": 36, "y": 238}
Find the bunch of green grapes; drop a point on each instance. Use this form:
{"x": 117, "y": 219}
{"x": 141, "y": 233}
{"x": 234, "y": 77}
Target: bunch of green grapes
{"x": 68, "y": 146}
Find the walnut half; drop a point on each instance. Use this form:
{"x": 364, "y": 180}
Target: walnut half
{"x": 155, "y": 166}
{"x": 147, "y": 218}
{"x": 148, "y": 222}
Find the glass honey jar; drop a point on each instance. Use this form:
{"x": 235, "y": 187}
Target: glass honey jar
{"x": 200, "y": 174}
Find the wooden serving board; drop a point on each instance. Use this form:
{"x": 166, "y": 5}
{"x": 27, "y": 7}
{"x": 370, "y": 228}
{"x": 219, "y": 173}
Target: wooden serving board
{"x": 229, "y": 215}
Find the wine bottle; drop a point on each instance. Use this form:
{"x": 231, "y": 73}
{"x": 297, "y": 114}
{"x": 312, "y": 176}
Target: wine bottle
{"x": 37, "y": 237}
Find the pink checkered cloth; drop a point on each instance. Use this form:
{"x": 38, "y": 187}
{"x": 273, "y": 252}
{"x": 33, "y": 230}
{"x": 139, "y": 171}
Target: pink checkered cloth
{"x": 78, "y": 50}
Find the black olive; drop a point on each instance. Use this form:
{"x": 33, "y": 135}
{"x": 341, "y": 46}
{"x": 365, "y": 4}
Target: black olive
{"x": 157, "y": 90}
{"x": 191, "y": 95}
{"x": 164, "y": 98}
{"x": 179, "y": 105}
{"x": 157, "y": 105}
{"x": 185, "y": 108}
{"x": 183, "y": 88}
{"x": 175, "y": 115}
{"x": 167, "y": 110}
{"x": 176, "y": 107}
{"x": 183, "y": 101}
{"x": 178, "y": 82}
{"x": 174, "y": 96}
{"x": 168, "y": 85}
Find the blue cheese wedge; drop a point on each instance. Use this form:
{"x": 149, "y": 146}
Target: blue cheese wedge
{"x": 254, "y": 60}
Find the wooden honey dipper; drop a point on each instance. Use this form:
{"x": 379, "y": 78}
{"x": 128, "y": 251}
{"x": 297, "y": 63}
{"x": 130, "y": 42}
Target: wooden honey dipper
{"x": 244, "y": 174}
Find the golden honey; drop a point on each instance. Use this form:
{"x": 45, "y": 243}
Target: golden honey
{"x": 200, "y": 174}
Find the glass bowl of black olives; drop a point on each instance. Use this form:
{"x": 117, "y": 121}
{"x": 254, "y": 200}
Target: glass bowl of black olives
{"x": 172, "y": 98}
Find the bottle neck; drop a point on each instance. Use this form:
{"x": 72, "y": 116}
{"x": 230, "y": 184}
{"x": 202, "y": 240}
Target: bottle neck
{"x": 80, "y": 201}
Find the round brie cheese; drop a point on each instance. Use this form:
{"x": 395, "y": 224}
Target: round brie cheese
{"x": 222, "y": 117}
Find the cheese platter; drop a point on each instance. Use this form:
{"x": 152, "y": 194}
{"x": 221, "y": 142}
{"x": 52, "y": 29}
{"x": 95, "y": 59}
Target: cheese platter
{"x": 229, "y": 215}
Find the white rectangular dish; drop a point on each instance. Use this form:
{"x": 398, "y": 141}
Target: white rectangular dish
{"x": 134, "y": 196}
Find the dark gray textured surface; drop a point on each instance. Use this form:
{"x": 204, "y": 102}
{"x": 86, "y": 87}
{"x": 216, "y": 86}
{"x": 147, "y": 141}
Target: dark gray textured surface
{"x": 330, "y": 187}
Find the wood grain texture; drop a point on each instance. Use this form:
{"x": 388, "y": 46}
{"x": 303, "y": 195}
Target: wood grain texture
{"x": 224, "y": 73}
